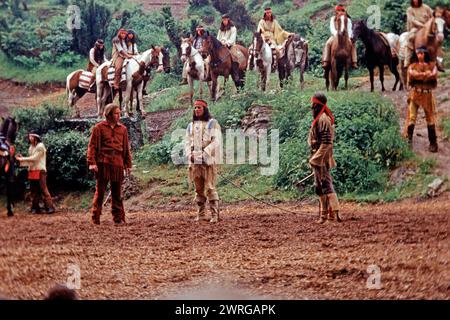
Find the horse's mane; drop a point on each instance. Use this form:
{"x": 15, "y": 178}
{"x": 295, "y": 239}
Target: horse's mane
{"x": 216, "y": 43}
{"x": 373, "y": 37}
{"x": 8, "y": 129}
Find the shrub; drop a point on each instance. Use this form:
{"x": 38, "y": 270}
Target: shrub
{"x": 156, "y": 154}
{"x": 41, "y": 119}
{"x": 66, "y": 159}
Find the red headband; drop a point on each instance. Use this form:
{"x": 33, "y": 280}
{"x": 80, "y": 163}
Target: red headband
{"x": 339, "y": 8}
{"x": 201, "y": 103}
{"x": 324, "y": 109}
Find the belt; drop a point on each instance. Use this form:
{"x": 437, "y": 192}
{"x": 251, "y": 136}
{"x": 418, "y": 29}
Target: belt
{"x": 422, "y": 90}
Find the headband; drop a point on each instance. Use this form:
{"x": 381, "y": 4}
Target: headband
{"x": 339, "y": 8}
{"x": 324, "y": 109}
{"x": 201, "y": 103}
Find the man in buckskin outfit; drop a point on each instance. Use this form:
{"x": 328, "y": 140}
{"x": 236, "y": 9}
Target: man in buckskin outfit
{"x": 108, "y": 157}
{"x": 203, "y": 151}
{"x": 320, "y": 140}
{"x": 422, "y": 77}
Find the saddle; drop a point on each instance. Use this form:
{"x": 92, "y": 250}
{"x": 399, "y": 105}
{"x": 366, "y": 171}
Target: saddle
{"x": 383, "y": 37}
{"x": 86, "y": 78}
{"x": 112, "y": 71}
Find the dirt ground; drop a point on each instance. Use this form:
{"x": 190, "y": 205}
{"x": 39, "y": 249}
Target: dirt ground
{"x": 254, "y": 252}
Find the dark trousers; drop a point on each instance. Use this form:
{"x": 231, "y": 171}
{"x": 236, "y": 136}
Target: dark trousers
{"x": 117, "y": 208}
{"x": 40, "y": 191}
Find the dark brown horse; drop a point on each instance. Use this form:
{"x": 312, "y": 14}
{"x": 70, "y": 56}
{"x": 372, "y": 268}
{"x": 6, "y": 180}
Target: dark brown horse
{"x": 295, "y": 56}
{"x": 223, "y": 63}
{"x": 8, "y": 132}
{"x": 378, "y": 53}
{"x": 340, "y": 56}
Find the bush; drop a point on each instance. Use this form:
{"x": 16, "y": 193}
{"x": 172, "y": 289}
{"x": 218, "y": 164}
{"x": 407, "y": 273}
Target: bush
{"x": 41, "y": 119}
{"x": 156, "y": 154}
{"x": 66, "y": 159}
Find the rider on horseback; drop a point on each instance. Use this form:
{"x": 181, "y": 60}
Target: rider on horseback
{"x": 273, "y": 34}
{"x": 119, "y": 54}
{"x": 131, "y": 43}
{"x": 199, "y": 36}
{"x": 227, "y": 32}
{"x": 326, "y": 56}
{"x": 96, "y": 58}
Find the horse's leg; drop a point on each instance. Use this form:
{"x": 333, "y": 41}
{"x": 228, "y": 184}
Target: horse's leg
{"x": 371, "y": 77}
{"x": 326, "y": 75}
{"x": 214, "y": 87}
{"x": 281, "y": 74}
{"x": 381, "y": 68}
{"x": 393, "y": 66}
{"x": 121, "y": 99}
{"x": 346, "y": 76}
{"x": 140, "y": 98}
{"x": 9, "y": 196}
{"x": 302, "y": 79}
{"x": 191, "y": 89}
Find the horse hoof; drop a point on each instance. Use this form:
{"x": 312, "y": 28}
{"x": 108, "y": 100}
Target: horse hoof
{"x": 10, "y": 214}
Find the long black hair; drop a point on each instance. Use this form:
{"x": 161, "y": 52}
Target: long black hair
{"x": 206, "y": 116}
{"x": 418, "y": 6}
{"x": 226, "y": 27}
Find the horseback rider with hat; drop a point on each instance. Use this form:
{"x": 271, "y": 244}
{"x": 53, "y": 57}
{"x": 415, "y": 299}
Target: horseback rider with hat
{"x": 273, "y": 34}
{"x": 119, "y": 54}
{"x": 422, "y": 76}
{"x": 326, "y": 55}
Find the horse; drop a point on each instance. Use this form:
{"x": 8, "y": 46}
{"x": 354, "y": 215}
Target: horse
{"x": 295, "y": 56}
{"x": 224, "y": 63}
{"x": 196, "y": 66}
{"x": 378, "y": 53}
{"x": 134, "y": 71}
{"x": 77, "y": 85}
{"x": 340, "y": 56}
{"x": 261, "y": 54}
{"x": 8, "y": 133}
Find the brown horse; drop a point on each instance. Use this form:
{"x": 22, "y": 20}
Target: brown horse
{"x": 340, "y": 56}
{"x": 224, "y": 63}
{"x": 431, "y": 35}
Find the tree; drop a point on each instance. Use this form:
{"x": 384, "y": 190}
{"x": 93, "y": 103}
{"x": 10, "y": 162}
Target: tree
{"x": 236, "y": 10}
{"x": 94, "y": 25}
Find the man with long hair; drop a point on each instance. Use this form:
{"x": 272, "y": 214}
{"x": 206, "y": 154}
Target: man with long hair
{"x": 422, "y": 77}
{"x": 326, "y": 54}
{"x": 320, "y": 140}
{"x": 96, "y": 58}
{"x": 227, "y": 32}
{"x": 131, "y": 43}
{"x": 203, "y": 145}
{"x": 109, "y": 157}
{"x": 119, "y": 54}
{"x": 273, "y": 34}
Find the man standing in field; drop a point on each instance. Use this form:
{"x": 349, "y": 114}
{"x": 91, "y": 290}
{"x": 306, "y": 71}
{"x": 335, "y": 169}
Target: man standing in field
{"x": 320, "y": 140}
{"x": 108, "y": 157}
{"x": 422, "y": 76}
{"x": 203, "y": 151}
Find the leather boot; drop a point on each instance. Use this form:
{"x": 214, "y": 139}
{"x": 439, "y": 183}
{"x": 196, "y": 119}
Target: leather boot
{"x": 214, "y": 207}
{"x": 334, "y": 216}
{"x": 410, "y": 134}
{"x": 200, "y": 212}
{"x": 323, "y": 217}
{"x": 432, "y": 138}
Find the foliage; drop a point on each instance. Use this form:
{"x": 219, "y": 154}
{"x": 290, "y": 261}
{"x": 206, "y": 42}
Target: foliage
{"x": 66, "y": 159}
{"x": 367, "y": 141}
{"x": 94, "y": 24}
{"x": 41, "y": 119}
{"x": 237, "y": 11}
{"x": 156, "y": 154}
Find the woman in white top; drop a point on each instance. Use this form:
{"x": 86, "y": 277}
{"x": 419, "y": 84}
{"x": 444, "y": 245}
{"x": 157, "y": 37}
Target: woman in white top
{"x": 227, "y": 32}
{"x": 131, "y": 43}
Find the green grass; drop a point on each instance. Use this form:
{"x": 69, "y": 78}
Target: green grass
{"x": 445, "y": 125}
{"x": 37, "y": 76}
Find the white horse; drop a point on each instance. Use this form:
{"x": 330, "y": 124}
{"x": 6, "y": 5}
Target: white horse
{"x": 262, "y": 58}
{"x": 135, "y": 69}
{"x": 195, "y": 68}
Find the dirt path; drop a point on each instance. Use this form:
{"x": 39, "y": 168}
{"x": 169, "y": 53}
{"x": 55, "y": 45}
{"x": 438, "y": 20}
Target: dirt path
{"x": 420, "y": 141}
{"x": 253, "y": 252}
{"x": 178, "y": 7}
{"x": 13, "y": 95}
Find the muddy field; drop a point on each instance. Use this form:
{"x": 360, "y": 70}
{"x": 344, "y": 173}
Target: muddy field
{"x": 254, "y": 252}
